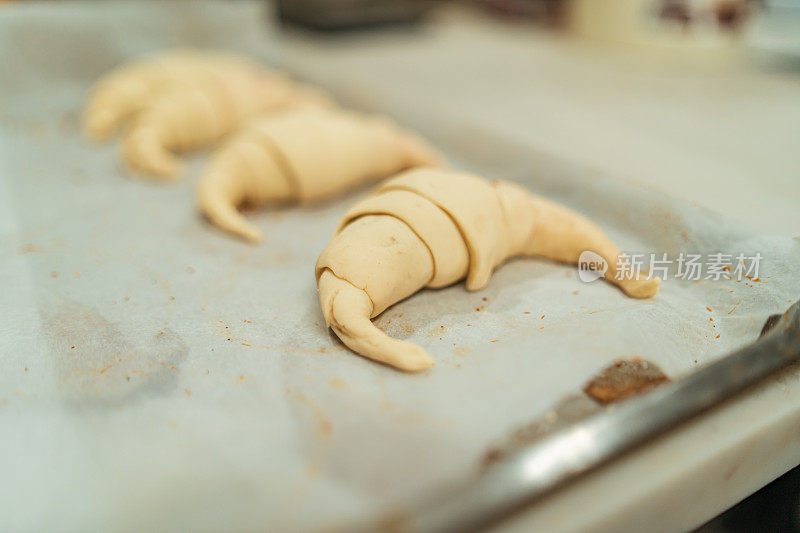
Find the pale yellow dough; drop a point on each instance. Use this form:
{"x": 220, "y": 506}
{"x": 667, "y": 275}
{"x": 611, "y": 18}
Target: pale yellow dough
{"x": 184, "y": 99}
{"x": 124, "y": 90}
{"x": 303, "y": 155}
{"x": 431, "y": 228}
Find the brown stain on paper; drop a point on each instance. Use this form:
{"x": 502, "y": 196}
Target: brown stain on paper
{"x": 624, "y": 379}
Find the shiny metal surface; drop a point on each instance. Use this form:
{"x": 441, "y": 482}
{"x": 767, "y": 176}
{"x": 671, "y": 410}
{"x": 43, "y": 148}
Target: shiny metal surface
{"x": 548, "y": 464}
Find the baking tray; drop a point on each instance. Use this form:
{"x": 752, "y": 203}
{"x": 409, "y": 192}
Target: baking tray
{"x": 154, "y": 368}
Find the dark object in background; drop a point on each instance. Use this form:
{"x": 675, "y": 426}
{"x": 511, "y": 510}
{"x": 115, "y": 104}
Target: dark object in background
{"x": 547, "y": 12}
{"x": 775, "y": 508}
{"x": 729, "y": 14}
{"x": 351, "y": 14}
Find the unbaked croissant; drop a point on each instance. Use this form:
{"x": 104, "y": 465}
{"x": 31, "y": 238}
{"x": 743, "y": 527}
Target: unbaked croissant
{"x": 182, "y": 100}
{"x": 303, "y": 155}
{"x": 431, "y": 228}
{"x": 123, "y": 91}
{"x": 182, "y": 119}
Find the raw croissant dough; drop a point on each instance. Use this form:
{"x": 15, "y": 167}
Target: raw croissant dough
{"x": 431, "y": 228}
{"x": 123, "y": 91}
{"x": 182, "y": 100}
{"x": 303, "y": 155}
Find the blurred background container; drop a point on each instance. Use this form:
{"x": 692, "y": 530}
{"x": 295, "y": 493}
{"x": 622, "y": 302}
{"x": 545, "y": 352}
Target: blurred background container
{"x": 697, "y": 97}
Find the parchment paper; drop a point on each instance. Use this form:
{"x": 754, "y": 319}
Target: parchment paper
{"x": 156, "y": 373}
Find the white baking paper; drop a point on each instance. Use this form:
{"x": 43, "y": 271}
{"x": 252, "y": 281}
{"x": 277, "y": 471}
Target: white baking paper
{"x": 155, "y": 373}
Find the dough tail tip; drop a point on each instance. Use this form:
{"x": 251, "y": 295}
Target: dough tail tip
{"x": 221, "y": 211}
{"x": 641, "y": 288}
{"x": 143, "y": 151}
{"x": 420, "y": 153}
{"x": 347, "y": 309}
{"x": 98, "y": 125}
